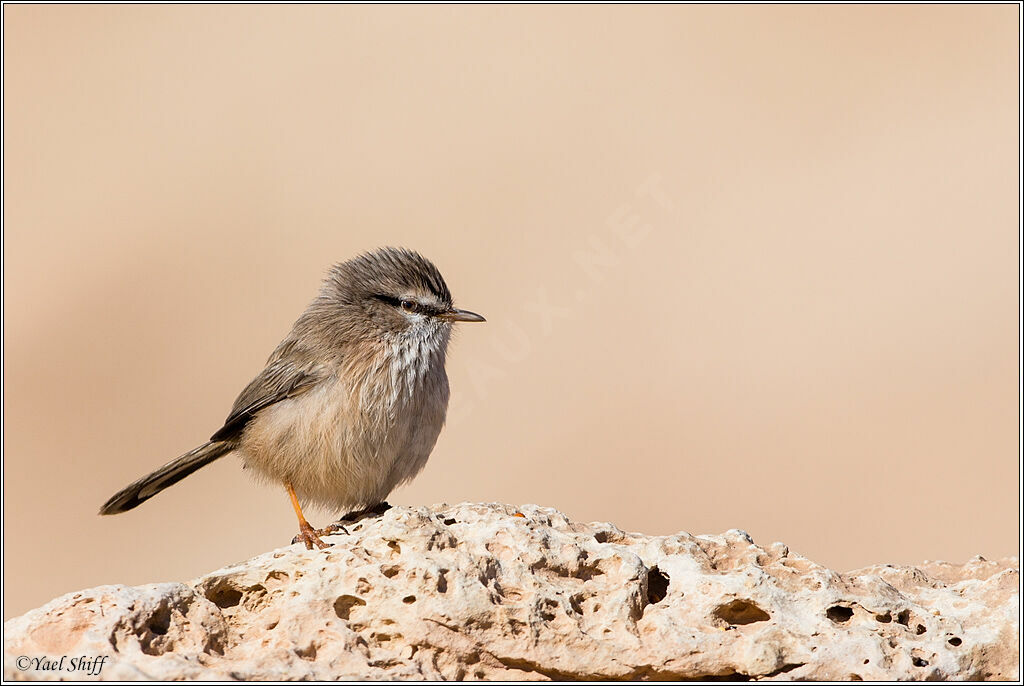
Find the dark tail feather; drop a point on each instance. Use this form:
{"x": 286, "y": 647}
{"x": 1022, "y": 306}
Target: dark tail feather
{"x": 171, "y": 473}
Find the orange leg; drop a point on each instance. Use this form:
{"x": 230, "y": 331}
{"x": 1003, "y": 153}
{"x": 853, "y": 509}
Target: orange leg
{"x": 307, "y": 534}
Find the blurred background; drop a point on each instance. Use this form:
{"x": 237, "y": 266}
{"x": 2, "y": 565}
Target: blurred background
{"x": 743, "y": 266}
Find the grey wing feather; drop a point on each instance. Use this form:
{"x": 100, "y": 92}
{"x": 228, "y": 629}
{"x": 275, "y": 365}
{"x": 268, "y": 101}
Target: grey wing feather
{"x": 281, "y": 379}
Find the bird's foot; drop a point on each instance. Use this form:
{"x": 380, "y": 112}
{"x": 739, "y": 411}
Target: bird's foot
{"x": 310, "y": 537}
{"x": 332, "y": 529}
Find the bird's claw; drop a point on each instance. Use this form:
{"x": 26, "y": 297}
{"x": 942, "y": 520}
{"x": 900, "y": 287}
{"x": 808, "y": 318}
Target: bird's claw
{"x": 332, "y": 529}
{"x": 310, "y": 537}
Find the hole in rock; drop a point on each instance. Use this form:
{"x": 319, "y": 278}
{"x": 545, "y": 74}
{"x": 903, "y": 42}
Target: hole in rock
{"x": 839, "y": 614}
{"x": 449, "y": 521}
{"x": 919, "y": 662}
{"x": 657, "y": 585}
{"x": 920, "y": 629}
{"x": 224, "y": 596}
{"x": 344, "y": 604}
{"x": 409, "y": 599}
{"x": 160, "y": 622}
{"x": 955, "y": 641}
{"x": 903, "y": 617}
{"x": 884, "y": 619}
{"x": 741, "y": 612}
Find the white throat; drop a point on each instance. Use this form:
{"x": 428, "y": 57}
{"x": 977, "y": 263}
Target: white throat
{"x": 415, "y": 355}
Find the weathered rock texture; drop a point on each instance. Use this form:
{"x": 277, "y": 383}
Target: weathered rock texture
{"x": 489, "y": 592}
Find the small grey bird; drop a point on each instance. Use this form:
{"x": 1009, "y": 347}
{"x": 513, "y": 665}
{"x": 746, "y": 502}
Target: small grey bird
{"x": 350, "y": 403}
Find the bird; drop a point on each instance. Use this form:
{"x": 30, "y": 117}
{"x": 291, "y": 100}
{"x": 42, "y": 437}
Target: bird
{"x": 350, "y": 403}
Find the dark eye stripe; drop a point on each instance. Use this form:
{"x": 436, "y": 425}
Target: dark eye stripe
{"x": 418, "y": 306}
{"x": 395, "y": 302}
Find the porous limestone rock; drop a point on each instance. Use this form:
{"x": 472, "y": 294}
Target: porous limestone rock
{"x": 487, "y": 591}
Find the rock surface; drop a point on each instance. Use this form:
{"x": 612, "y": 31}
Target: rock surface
{"x": 490, "y": 592}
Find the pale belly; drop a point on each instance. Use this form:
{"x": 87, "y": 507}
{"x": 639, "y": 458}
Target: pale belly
{"x": 340, "y": 453}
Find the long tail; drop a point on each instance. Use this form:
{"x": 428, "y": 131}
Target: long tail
{"x": 171, "y": 473}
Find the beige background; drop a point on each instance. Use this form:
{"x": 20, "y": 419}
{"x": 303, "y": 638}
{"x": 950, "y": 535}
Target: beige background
{"x": 746, "y": 267}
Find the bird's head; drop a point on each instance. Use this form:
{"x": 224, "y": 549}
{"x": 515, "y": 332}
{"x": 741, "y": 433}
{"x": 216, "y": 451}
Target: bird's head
{"x": 393, "y": 294}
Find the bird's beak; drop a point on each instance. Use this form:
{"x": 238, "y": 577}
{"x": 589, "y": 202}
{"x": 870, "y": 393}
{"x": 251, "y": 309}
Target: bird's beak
{"x": 454, "y": 315}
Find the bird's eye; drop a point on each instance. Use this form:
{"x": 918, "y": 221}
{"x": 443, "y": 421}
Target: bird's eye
{"x": 410, "y": 306}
